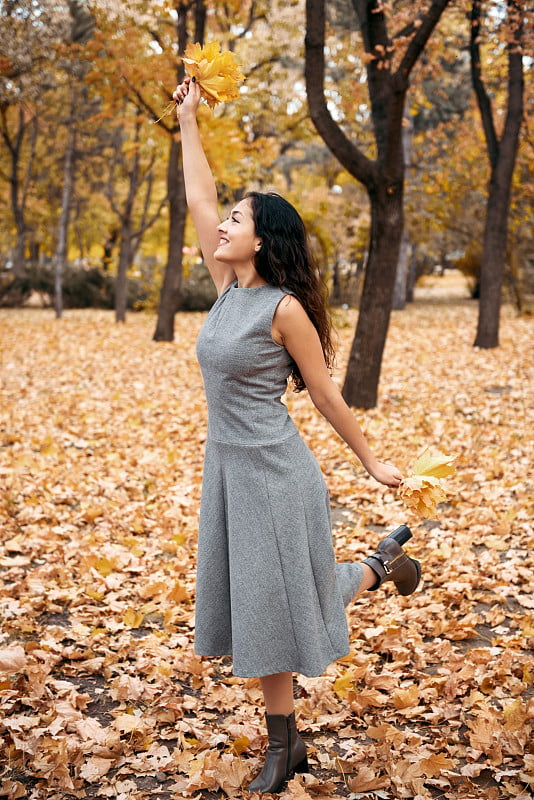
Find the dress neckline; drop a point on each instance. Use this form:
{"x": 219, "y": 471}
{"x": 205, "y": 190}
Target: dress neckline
{"x": 249, "y": 288}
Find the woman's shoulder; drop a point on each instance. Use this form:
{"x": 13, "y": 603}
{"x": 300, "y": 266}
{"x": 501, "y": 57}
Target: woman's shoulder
{"x": 290, "y": 310}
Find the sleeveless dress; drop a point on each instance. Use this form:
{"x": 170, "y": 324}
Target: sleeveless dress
{"x": 268, "y": 591}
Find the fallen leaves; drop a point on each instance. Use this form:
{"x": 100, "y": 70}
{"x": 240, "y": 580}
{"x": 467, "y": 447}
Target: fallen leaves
{"x": 101, "y": 442}
{"x": 12, "y": 659}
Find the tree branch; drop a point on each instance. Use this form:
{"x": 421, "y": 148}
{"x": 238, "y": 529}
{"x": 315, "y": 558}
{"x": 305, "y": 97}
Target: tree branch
{"x": 29, "y": 167}
{"x": 515, "y": 90}
{"x": 483, "y": 100}
{"x": 420, "y": 38}
{"x": 345, "y": 151}
{"x": 141, "y": 103}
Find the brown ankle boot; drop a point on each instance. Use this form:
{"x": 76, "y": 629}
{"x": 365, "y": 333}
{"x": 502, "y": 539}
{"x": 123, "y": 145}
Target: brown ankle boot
{"x": 286, "y": 754}
{"x": 390, "y": 563}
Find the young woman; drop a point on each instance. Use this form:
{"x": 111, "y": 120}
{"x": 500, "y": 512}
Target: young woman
{"x": 268, "y": 589}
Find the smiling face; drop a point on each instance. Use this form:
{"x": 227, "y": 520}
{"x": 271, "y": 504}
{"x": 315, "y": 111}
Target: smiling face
{"x": 238, "y": 242}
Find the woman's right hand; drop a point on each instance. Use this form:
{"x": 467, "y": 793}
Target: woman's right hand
{"x": 187, "y": 97}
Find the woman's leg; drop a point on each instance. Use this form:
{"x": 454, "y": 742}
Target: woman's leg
{"x": 286, "y": 752}
{"x": 368, "y": 580}
{"x": 278, "y": 692}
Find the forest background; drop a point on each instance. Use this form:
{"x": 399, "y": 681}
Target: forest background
{"x": 409, "y": 173}
{"x": 86, "y": 149}
{"x": 102, "y": 428}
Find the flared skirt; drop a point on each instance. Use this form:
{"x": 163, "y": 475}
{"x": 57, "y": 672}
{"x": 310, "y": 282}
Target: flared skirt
{"x": 269, "y": 592}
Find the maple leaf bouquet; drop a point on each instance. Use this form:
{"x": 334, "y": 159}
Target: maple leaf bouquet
{"x": 422, "y": 490}
{"x": 216, "y": 72}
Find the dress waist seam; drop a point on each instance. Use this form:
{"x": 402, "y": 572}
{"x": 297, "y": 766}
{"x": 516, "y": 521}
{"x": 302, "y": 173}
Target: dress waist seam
{"x": 233, "y": 443}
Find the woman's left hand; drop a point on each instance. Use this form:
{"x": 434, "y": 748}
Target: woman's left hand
{"x": 387, "y": 474}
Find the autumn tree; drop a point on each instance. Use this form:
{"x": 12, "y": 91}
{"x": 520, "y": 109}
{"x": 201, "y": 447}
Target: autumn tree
{"x": 501, "y": 150}
{"x": 138, "y": 47}
{"x": 170, "y": 294}
{"x": 28, "y": 34}
{"x": 131, "y": 171}
{"x": 74, "y": 68}
{"x": 389, "y": 60}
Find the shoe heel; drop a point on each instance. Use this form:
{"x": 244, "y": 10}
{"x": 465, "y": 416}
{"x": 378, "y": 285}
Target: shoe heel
{"x": 410, "y": 589}
{"x": 402, "y": 534}
{"x": 302, "y": 766}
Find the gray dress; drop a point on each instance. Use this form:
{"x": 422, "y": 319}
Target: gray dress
{"x": 268, "y": 589}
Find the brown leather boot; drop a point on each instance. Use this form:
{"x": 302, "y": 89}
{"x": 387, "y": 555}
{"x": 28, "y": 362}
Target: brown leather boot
{"x": 390, "y": 563}
{"x": 286, "y": 754}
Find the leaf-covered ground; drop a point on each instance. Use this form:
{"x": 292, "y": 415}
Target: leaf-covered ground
{"x": 102, "y": 436}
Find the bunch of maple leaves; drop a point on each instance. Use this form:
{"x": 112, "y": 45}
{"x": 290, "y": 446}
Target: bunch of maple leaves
{"x": 102, "y": 435}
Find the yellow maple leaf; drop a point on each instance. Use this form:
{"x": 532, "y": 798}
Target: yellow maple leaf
{"x": 217, "y": 73}
{"x": 343, "y": 684}
{"x": 433, "y": 465}
{"x": 422, "y": 490}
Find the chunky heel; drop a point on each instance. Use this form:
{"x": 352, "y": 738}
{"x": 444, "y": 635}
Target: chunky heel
{"x": 402, "y": 534}
{"x": 302, "y": 766}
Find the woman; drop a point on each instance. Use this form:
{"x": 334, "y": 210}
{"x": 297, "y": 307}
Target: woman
{"x": 268, "y": 589}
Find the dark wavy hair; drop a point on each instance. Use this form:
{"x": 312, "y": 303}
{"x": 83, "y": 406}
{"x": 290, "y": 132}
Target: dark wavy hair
{"x": 285, "y": 260}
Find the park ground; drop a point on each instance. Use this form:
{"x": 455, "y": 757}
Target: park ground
{"x": 102, "y": 435}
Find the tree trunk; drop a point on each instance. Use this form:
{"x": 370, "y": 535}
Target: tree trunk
{"x": 171, "y": 290}
{"x": 400, "y": 290}
{"x": 19, "y": 186}
{"x": 170, "y": 295}
{"x": 412, "y": 274}
{"x": 121, "y": 279}
{"x": 68, "y": 184}
{"x": 336, "y": 294}
{"x": 502, "y": 157}
{"x": 401, "y": 279}
{"x": 363, "y": 371}
{"x": 108, "y": 246}
{"x": 493, "y": 257}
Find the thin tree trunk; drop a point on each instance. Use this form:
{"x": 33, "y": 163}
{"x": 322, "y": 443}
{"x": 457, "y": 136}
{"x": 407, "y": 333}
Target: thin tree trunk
{"x": 502, "y": 158}
{"x": 19, "y": 188}
{"x": 68, "y": 185}
{"x": 401, "y": 278}
{"x": 400, "y": 289}
{"x": 411, "y": 274}
{"x": 493, "y": 257}
{"x": 171, "y": 290}
{"x": 121, "y": 279}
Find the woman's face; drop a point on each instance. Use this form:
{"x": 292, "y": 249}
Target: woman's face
{"x": 238, "y": 242}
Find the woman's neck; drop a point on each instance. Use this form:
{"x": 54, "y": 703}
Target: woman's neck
{"x": 248, "y": 278}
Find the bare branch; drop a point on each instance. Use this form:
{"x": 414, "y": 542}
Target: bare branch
{"x": 345, "y": 151}
{"x": 420, "y": 38}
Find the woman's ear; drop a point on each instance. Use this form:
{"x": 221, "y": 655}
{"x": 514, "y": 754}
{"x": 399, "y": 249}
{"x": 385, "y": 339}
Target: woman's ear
{"x": 258, "y": 247}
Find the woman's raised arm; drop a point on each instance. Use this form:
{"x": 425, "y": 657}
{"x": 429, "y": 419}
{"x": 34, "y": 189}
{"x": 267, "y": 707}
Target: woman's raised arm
{"x": 200, "y": 189}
